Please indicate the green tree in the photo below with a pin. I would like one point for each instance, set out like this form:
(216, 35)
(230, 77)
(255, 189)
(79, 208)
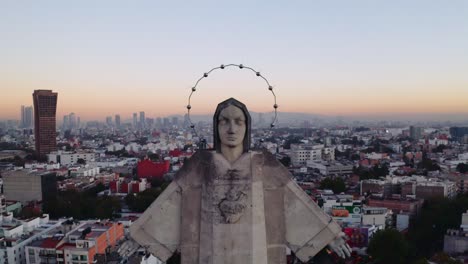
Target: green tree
(380, 170)
(82, 205)
(153, 157)
(286, 161)
(428, 165)
(426, 233)
(141, 201)
(107, 206)
(440, 148)
(462, 167)
(388, 247)
(374, 173)
(291, 140)
(443, 258)
(337, 185)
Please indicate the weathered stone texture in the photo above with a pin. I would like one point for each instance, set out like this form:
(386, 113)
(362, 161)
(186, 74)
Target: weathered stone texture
(247, 212)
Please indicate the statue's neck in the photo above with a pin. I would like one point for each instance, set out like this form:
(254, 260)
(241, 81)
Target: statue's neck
(231, 154)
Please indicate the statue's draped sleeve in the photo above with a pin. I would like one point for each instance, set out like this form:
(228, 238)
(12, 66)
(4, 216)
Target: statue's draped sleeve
(159, 228)
(308, 229)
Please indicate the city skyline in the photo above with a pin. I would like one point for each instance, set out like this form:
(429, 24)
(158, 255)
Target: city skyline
(351, 59)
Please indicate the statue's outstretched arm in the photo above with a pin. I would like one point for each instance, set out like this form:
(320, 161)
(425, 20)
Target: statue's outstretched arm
(158, 229)
(308, 228)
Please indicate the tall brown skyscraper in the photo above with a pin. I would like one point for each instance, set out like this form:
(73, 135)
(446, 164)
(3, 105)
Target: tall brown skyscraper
(45, 106)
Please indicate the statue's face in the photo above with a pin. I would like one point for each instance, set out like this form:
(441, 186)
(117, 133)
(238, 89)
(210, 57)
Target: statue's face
(231, 126)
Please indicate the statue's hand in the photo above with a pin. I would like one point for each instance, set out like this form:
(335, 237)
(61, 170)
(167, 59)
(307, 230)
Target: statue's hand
(128, 248)
(340, 247)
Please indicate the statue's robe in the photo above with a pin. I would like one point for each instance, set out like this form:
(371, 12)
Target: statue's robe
(246, 212)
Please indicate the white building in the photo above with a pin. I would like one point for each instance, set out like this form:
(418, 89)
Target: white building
(115, 147)
(374, 216)
(110, 163)
(66, 158)
(376, 156)
(85, 172)
(25, 185)
(43, 166)
(331, 167)
(437, 142)
(402, 221)
(396, 147)
(395, 165)
(456, 240)
(16, 235)
(340, 132)
(463, 156)
(150, 260)
(301, 153)
(133, 147)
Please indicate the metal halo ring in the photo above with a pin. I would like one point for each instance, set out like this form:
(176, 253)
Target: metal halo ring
(223, 66)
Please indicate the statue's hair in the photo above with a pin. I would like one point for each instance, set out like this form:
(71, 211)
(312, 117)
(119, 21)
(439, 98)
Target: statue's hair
(222, 106)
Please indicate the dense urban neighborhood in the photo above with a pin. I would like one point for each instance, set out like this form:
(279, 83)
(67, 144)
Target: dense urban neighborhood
(398, 190)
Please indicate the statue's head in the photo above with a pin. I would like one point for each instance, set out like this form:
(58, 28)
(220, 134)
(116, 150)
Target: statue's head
(231, 125)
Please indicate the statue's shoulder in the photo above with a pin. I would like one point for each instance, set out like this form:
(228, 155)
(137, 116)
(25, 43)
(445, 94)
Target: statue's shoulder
(200, 157)
(274, 173)
(266, 158)
(194, 167)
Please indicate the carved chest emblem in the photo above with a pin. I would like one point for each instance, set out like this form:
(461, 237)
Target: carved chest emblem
(233, 205)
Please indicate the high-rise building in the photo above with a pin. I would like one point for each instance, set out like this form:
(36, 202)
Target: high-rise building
(26, 116)
(166, 123)
(117, 121)
(135, 120)
(175, 121)
(459, 133)
(186, 121)
(149, 122)
(22, 116)
(159, 122)
(109, 120)
(72, 119)
(261, 119)
(45, 107)
(78, 122)
(415, 132)
(66, 122)
(142, 119)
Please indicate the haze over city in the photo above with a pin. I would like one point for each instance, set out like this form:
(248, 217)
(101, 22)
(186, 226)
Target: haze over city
(369, 58)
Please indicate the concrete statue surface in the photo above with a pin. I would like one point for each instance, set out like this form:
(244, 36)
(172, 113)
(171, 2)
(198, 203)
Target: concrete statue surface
(234, 205)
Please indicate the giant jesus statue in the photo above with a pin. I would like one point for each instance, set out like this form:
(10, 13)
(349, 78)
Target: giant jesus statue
(234, 205)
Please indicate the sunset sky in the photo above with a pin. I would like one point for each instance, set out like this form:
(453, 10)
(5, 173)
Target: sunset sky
(325, 57)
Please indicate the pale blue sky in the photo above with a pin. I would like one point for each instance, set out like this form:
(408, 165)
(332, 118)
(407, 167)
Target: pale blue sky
(329, 57)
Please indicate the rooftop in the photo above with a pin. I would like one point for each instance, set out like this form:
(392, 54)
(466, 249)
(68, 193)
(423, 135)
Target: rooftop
(50, 242)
